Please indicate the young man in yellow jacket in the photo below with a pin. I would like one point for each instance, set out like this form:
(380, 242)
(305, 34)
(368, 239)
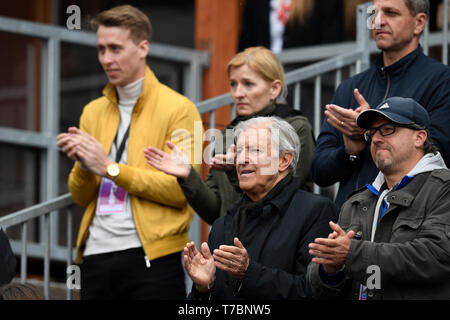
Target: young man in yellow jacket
(136, 221)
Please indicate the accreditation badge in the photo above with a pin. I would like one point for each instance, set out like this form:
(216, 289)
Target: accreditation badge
(362, 292)
(112, 199)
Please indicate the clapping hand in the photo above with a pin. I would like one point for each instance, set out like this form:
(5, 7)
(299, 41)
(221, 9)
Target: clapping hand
(176, 164)
(344, 120)
(82, 147)
(332, 252)
(199, 265)
(233, 260)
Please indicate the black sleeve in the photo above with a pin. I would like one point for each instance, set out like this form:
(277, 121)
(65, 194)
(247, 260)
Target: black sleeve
(202, 196)
(7, 260)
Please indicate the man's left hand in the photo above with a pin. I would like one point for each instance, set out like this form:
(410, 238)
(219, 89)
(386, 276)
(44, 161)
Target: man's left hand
(344, 119)
(233, 260)
(332, 252)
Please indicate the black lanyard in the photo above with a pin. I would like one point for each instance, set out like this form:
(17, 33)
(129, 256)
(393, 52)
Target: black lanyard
(122, 144)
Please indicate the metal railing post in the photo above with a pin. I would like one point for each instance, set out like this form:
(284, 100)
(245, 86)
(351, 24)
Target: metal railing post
(317, 105)
(337, 78)
(363, 36)
(50, 123)
(445, 32)
(47, 237)
(23, 218)
(297, 96)
(192, 81)
(317, 113)
(23, 254)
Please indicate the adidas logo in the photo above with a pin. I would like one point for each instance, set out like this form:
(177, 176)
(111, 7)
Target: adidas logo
(384, 106)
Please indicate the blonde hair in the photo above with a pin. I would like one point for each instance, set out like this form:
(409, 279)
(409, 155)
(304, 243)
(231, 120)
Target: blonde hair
(262, 61)
(126, 16)
(300, 11)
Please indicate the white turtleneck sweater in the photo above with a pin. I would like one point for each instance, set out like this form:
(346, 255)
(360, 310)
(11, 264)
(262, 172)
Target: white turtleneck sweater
(117, 232)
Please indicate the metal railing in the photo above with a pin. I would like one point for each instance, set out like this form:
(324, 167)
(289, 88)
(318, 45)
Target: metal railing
(23, 217)
(356, 60)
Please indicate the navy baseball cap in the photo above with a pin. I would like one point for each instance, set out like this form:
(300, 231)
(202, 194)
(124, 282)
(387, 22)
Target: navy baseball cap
(398, 110)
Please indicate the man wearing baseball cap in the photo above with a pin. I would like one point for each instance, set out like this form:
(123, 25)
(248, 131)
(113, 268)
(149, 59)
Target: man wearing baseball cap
(400, 70)
(392, 240)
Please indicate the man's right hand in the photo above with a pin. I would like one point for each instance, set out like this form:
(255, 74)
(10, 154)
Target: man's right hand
(344, 120)
(332, 252)
(199, 265)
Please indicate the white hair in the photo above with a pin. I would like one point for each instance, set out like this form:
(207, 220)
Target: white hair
(287, 142)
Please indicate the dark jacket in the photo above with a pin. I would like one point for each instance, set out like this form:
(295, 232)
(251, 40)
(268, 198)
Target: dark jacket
(277, 245)
(415, 76)
(324, 25)
(7, 260)
(411, 246)
(212, 198)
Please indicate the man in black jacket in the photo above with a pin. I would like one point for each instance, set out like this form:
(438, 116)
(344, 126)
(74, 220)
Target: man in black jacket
(259, 250)
(402, 69)
(392, 240)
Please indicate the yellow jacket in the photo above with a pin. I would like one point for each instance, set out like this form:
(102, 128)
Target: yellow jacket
(160, 210)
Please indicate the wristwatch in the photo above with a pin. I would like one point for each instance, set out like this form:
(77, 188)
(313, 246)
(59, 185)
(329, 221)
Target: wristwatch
(112, 171)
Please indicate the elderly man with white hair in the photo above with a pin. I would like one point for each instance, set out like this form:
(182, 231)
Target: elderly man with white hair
(259, 250)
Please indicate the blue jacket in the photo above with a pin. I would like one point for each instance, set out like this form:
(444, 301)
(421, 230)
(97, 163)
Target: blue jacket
(415, 76)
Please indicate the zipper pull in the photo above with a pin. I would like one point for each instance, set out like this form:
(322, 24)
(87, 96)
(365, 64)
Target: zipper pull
(147, 262)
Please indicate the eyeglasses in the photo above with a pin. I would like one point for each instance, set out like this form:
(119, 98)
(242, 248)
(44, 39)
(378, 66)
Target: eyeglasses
(387, 129)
